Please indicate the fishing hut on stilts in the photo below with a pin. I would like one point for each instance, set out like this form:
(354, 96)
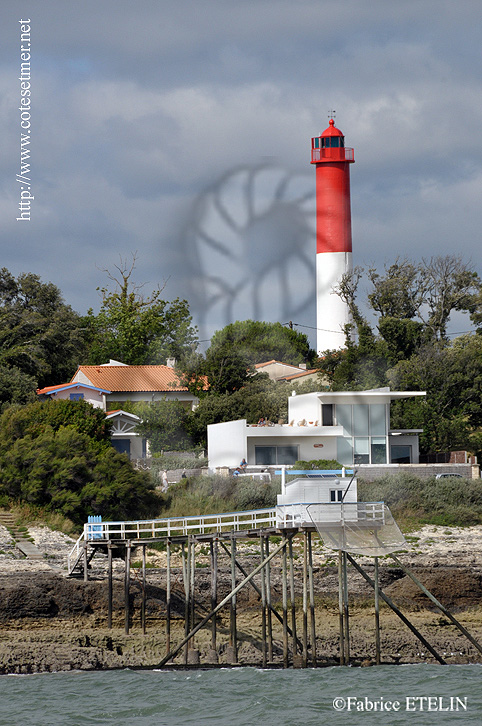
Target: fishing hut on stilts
(314, 502)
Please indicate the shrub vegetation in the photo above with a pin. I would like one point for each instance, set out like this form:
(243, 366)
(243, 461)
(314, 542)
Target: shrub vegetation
(448, 502)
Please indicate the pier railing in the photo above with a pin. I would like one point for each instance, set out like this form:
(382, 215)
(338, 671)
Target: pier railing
(102, 532)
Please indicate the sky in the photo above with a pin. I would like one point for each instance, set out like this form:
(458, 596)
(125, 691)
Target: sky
(179, 131)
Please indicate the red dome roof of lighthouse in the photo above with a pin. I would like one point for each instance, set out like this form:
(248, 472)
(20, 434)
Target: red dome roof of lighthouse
(332, 130)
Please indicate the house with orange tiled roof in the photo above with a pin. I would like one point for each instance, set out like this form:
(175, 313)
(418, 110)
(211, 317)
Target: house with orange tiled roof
(135, 383)
(278, 371)
(111, 385)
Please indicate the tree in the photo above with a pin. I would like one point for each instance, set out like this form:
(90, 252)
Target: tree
(40, 335)
(18, 422)
(258, 342)
(137, 329)
(409, 348)
(227, 369)
(426, 293)
(57, 457)
(164, 425)
(16, 387)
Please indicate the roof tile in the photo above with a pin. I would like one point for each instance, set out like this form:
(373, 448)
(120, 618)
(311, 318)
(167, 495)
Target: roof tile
(132, 378)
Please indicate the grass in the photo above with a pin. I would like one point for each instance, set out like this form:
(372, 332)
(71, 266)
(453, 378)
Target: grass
(451, 502)
(413, 501)
(215, 494)
(27, 516)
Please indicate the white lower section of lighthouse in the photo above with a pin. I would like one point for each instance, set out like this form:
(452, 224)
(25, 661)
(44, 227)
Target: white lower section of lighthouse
(332, 313)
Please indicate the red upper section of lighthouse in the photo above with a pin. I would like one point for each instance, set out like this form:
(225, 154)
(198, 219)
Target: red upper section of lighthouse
(330, 146)
(332, 130)
(333, 213)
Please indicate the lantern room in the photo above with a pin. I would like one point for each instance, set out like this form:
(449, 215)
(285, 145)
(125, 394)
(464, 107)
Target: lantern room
(330, 146)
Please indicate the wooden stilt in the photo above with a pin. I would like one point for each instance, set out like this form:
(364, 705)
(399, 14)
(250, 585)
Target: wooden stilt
(127, 582)
(346, 611)
(267, 570)
(312, 601)
(168, 595)
(143, 605)
(263, 605)
(109, 586)
(86, 564)
(377, 615)
(402, 617)
(305, 600)
(271, 610)
(340, 608)
(441, 607)
(220, 605)
(191, 594)
(233, 635)
(285, 603)
(292, 598)
(214, 590)
(187, 591)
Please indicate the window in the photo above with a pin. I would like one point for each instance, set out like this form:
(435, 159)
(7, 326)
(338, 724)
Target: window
(379, 450)
(327, 414)
(122, 446)
(360, 419)
(344, 450)
(378, 419)
(343, 417)
(273, 455)
(401, 454)
(76, 396)
(361, 451)
(336, 495)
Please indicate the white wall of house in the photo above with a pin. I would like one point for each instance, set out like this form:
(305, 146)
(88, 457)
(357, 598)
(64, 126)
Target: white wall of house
(361, 434)
(306, 406)
(227, 443)
(96, 398)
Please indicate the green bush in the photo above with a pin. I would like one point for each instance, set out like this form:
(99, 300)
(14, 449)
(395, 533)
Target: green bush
(448, 502)
(178, 461)
(57, 457)
(214, 493)
(317, 464)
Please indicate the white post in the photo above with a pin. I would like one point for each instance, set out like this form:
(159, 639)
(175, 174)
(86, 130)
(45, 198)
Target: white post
(283, 479)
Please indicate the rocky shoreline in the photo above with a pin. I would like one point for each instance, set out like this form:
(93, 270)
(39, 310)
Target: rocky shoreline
(49, 622)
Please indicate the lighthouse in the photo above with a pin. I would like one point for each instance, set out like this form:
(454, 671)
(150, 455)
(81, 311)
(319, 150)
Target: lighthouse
(333, 233)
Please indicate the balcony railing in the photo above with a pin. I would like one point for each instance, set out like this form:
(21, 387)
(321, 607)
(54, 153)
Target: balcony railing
(336, 154)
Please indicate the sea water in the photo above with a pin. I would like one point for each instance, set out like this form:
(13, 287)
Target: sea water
(414, 695)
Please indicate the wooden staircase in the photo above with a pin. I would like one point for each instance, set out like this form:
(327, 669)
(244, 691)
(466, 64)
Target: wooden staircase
(20, 536)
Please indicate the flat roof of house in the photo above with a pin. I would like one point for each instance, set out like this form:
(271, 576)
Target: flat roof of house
(132, 378)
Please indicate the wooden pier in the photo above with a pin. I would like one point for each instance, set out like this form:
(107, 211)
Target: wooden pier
(274, 531)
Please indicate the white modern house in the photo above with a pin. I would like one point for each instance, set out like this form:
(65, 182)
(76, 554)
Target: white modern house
(352, 427)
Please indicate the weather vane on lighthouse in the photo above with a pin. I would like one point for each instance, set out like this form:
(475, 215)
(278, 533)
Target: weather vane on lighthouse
(332, 114)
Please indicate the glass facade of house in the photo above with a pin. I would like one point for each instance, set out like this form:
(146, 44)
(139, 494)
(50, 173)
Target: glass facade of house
(365, 433)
